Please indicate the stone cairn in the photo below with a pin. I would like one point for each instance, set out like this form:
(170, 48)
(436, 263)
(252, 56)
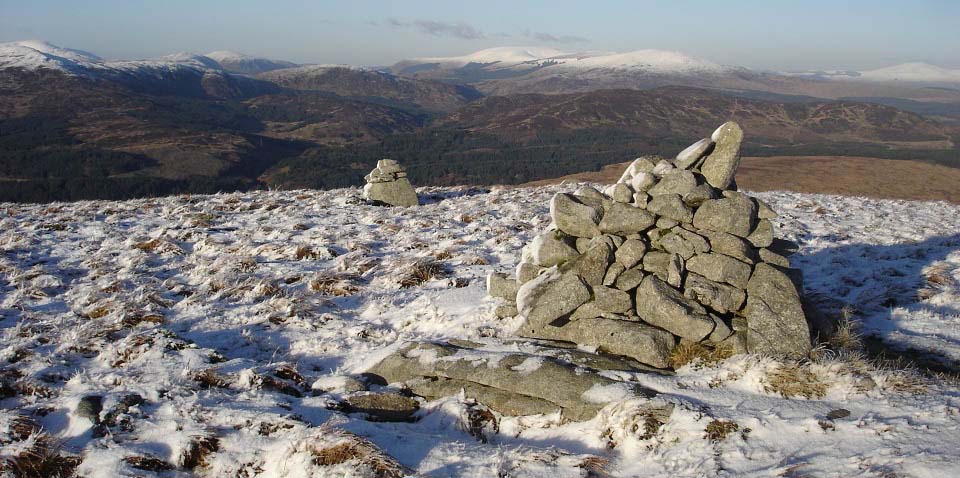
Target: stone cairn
(671, 253)
(388, 184)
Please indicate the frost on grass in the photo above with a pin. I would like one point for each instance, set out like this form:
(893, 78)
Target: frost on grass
(200, 323)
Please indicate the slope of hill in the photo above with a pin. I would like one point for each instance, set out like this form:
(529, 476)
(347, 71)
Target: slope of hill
(683, 112)
(374, 86)
(219, 335)
(246, 64)
(846, 176)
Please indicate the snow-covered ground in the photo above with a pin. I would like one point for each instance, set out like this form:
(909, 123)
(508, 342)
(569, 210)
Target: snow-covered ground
(219, 310)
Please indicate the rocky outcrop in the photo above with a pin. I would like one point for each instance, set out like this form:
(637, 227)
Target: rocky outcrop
(388, 184)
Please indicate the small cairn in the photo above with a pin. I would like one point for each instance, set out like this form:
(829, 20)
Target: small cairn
(388, 184)
(671, 252)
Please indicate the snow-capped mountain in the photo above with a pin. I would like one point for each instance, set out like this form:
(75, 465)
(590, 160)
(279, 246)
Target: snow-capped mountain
(503, 55)
(521, 58)
(913, 72)
(510, 70)
(249, 65)
(190, 58)
(649, 61)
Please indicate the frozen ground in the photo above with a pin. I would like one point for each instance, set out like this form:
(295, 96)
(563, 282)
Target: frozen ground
(219, 310)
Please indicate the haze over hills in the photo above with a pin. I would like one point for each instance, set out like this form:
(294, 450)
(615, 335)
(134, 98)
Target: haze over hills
(76, 125)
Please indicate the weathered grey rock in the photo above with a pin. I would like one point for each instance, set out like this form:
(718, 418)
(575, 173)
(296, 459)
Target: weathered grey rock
(631, 252)
(504, 402)
(89, 407)
(642, 164)
(533, 376)
(762, 235)
(657, 263)
(770, 257)
(641, 200)
(675, 270)
(775, 320)
(720, 167)
(582, 244)
(683, 242)
(663, 306)
(629, 279)
(784, 247)
(389, 166)
(732, 215)
(668, 267)
(574, 217)
(620, 192)
(671, 206)
(642, 182)
(645, 344)
(625, 219)
(613, 272)
(589, 192)
(690, 157)
(526, 272)
(764, 211)
(589, 310)
(737, 342)
(663, 167)
(593, 263)
(730, 245)
(502, 286)
(395, 193)
(720, 268)
(382, 406)
(677, 181)
(612, 300)
(666, 223)
(720, 330)
(549, 249)
(504, 311)
(722, 298)
(701, 193)
(551, 296)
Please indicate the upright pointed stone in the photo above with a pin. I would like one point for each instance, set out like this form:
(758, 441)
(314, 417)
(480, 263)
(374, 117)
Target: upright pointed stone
(720, 167)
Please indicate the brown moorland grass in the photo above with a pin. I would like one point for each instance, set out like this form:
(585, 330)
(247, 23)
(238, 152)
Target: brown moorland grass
(847, 176)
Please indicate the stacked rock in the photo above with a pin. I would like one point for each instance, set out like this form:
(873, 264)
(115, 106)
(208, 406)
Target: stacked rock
(671, 252)
(388, 184)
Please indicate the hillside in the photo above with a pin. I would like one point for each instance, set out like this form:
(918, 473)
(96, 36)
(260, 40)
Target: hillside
(846, 176)
(221, 336)
(374, 85)
(662, 111)
(77, 126)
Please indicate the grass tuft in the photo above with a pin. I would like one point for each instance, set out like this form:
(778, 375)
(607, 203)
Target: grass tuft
(419, 272)
(699, 353)
(717, 430)
(794, 379)
(349, 447)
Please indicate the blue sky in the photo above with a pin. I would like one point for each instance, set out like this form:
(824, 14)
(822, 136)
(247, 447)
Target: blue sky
(757, 34)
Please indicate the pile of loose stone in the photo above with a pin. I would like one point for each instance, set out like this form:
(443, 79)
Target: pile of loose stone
(388, 184)
(670, 253)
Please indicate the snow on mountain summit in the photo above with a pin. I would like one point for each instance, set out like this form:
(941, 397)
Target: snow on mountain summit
(247, 64)
(913, 72)
(504, 54)
(647, 60)
(655, 61)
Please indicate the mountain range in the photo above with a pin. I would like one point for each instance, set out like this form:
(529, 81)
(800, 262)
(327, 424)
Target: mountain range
(77, 126)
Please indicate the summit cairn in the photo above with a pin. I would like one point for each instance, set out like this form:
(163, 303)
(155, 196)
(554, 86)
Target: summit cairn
(671, 252)
(388, 184)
